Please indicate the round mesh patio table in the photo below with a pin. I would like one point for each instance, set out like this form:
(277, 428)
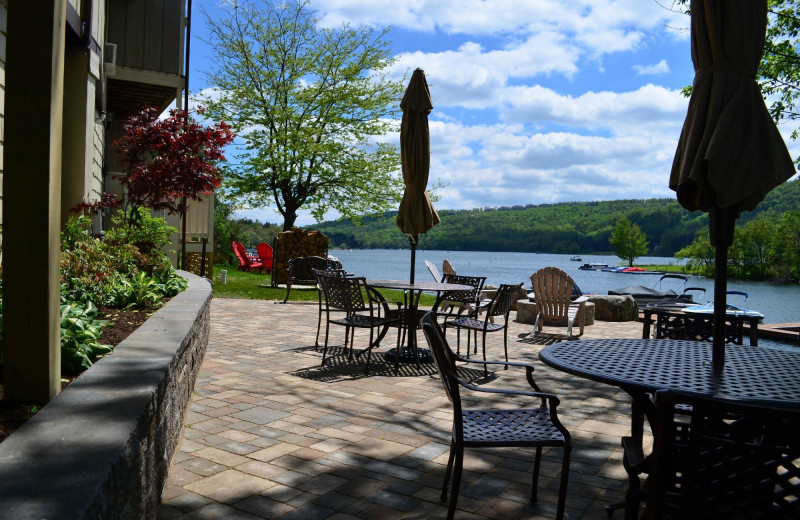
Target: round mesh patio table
(643, 366)
(413, 291)
(646, 365)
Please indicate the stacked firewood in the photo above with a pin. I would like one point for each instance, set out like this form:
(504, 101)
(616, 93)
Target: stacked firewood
(296, 243)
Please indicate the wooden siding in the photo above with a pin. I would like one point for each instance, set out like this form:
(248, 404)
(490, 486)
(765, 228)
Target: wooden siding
(3, 22)
(147, 34)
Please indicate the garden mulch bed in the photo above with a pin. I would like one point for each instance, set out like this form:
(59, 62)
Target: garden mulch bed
(13, 414)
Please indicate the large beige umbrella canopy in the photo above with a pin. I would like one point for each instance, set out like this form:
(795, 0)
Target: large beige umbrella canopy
(416, 214)
(730, 153)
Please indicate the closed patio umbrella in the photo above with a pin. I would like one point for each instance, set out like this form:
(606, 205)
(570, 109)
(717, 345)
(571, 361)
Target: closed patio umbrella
(730, 153)
(416, 214)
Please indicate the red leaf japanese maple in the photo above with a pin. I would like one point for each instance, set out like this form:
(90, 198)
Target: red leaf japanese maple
(169, 159)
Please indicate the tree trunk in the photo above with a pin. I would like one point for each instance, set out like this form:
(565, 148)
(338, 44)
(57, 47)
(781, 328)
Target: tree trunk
(289, 218)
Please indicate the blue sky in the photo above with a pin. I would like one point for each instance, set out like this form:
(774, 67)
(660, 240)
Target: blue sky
(535, 101)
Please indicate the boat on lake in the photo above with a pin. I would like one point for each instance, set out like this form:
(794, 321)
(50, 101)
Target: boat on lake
(730, 309)
(576, 259)
(645, 296)
(594, 266)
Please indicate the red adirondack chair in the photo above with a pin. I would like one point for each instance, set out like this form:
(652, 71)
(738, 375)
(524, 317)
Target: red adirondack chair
(265, 256)
(246, 262)
(242, 263)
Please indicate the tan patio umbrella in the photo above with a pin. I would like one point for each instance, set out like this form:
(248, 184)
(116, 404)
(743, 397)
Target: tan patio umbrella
(416, 214)
(730, 153)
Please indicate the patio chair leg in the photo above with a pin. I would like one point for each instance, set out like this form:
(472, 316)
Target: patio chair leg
(562, 490)
(369, 350)
(397, 354)
(457, 470)
(485, 369)
(325, 348)
(449, 470)
(416, 349)
(352, 340)
(505, 345)
(319, 321)
(537, 464)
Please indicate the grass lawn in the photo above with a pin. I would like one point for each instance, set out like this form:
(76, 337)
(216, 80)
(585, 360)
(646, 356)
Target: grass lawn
(671, 268)
(254, 286)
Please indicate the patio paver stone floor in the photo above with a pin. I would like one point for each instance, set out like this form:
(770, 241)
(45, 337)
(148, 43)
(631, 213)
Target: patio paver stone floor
(272, 434)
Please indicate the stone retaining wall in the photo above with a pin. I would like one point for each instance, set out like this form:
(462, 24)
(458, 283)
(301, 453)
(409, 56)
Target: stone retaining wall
(102, 448)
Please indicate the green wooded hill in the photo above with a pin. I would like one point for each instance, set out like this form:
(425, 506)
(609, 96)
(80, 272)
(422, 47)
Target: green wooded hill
(566, 228)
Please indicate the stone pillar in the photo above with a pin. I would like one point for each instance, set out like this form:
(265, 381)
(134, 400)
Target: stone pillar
(31, 199)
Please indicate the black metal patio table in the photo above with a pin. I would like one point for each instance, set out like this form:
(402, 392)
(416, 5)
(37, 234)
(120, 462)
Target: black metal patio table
(640, 367)
(410, 319)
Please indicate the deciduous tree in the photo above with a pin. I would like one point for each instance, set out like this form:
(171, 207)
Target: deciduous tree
(313, 105)
(699, 255)
(628, 241)
(786, 248)
(752, 244)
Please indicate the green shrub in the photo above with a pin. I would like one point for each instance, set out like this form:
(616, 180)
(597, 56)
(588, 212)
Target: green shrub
(143, 291)
(80, 332)
(147, 233)
(91, 268)
(127, 269)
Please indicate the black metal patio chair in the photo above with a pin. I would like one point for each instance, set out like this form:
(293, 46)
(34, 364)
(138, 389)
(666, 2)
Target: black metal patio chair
(727, 459)
(301, 271)
(363, 308)
(535, 427)
(500, 305)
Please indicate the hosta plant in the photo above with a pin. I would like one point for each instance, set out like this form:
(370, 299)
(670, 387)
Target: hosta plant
(80, 334)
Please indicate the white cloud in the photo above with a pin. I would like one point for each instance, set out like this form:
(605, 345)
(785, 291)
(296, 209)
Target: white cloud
(526, 109)
(649, 110)
(650, 70)
(490, 16)
(504, 165)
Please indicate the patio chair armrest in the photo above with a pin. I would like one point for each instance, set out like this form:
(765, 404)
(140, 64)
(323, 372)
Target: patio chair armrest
(549, 401)
(376, 297)
(503, 363)
(528, 368)
(634, 452)
(552, 399)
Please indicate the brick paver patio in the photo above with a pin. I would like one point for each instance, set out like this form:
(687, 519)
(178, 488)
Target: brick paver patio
(272, 434)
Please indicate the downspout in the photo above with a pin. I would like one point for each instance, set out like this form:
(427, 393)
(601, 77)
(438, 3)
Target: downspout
(186, 108)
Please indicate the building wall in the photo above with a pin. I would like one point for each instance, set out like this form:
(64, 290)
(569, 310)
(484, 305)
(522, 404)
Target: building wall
(147, 34)
(96, 143)
(3, 22)
(83, 141)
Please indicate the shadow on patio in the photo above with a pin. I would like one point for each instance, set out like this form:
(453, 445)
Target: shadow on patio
(271, 433)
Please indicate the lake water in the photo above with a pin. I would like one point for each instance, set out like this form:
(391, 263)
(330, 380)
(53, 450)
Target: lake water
(778, 303)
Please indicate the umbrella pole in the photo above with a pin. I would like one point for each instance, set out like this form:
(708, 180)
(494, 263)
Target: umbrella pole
(413, 243)
(720, 303)
(721, 223)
